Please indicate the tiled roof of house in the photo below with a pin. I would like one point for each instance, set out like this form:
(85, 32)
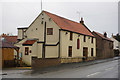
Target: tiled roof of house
(29, 42)
(102, 36)
(69, 25)
(10, 39)
(6, 45)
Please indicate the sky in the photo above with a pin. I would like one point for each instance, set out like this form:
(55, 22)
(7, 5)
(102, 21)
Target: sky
(100, 15)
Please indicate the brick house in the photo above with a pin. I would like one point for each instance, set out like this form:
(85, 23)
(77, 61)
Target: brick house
(52, 40)
(104, 46)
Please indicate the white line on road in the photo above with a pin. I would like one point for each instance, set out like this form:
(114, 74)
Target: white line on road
(93, 74)
(109, 68)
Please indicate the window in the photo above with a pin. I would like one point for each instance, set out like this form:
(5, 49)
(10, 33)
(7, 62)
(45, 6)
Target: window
(92, 40)
(49, 31)
(71, 35)
(26, 50)
(91, 51)
(84, 38)
(70, 51)
(78, 42)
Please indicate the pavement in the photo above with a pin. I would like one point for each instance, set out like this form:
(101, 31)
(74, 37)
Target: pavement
(105, 68)
(18, 68)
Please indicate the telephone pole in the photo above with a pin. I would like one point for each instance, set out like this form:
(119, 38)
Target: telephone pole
(41, 5)
(79, 14)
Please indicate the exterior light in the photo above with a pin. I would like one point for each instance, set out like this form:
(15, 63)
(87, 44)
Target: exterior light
(66, 33)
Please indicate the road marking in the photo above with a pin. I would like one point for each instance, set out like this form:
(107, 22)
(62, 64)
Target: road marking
(109, 68)
(93, 74)
(114, 60)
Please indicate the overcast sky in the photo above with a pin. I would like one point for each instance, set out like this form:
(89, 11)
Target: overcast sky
(98, 16)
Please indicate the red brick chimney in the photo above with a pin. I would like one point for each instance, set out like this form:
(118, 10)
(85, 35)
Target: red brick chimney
(82, 22)
(105, 34)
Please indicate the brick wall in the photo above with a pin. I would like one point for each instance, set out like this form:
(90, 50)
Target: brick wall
(103, 48)
(70, 60)
(38, 63)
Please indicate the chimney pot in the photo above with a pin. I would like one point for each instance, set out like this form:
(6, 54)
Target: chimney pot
(105, 34)
(82, 22)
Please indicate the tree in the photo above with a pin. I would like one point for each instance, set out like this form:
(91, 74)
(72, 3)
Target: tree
(117, 37)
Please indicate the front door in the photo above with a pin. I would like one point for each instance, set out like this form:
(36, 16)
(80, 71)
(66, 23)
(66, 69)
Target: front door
(85, 52)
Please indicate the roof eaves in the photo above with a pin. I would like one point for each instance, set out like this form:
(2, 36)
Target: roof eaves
(77, 33)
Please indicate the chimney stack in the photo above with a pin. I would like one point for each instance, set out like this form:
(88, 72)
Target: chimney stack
(3, 35)
(105, 34)
(82, 22)
(112, 35)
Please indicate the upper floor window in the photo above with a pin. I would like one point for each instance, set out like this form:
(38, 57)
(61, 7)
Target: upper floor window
(49, 31)
(92, 40)
(84, 38)
(78, 42)
(71, 35)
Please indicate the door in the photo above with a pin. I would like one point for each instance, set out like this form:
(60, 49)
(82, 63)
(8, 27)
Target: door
(85, 52)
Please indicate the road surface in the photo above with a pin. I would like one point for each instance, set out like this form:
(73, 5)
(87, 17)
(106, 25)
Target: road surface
(107, 69)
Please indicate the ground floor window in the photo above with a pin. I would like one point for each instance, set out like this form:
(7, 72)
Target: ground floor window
(91, 51)
(70, 51)
(26, 50)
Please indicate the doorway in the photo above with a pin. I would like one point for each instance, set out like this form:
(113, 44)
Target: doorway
(85, 52)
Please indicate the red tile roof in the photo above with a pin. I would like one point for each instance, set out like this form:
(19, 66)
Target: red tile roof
(6, 45)
(102, 36)
(69, 25)
(11, 39)
(30, 42)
